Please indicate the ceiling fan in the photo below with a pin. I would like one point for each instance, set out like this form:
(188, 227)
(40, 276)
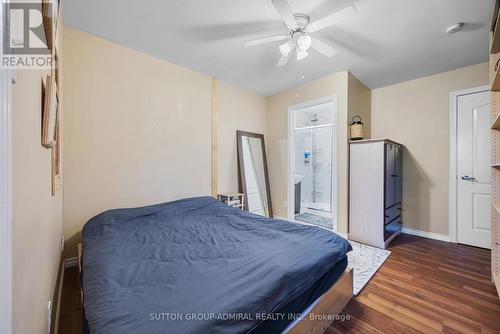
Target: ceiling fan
(299, 30)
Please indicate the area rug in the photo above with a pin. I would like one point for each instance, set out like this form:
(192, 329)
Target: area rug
(365, 261)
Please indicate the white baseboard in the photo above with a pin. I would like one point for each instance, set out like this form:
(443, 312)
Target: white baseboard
(428, 235)
(71, 262)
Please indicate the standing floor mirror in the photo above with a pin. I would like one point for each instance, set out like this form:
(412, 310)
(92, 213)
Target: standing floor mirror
(254, 179)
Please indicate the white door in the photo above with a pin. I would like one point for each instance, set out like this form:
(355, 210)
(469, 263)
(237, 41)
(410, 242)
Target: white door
(474, 170)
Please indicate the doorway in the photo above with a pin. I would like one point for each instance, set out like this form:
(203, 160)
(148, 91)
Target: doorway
(311, 163)
(471, 168)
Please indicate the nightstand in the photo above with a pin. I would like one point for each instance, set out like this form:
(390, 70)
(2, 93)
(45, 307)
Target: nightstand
(235, 200)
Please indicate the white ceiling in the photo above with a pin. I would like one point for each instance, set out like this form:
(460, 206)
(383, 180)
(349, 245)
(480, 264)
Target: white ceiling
(389, 41)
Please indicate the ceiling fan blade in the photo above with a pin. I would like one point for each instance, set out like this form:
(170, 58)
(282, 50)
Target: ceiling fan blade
(265, 40)
(323, 48)
(283, 61)
(331, 19)
(286, 13)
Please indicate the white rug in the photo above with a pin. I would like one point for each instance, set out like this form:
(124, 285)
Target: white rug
(365, 261)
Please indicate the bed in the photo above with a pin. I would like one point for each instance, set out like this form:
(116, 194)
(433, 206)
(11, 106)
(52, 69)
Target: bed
(198, 266)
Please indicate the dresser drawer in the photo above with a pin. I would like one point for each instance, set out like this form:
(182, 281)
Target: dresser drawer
(392, 212)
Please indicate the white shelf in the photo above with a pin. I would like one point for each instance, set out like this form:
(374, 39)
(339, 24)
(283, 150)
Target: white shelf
(496, 123)
(495, 146)
(496, 280)
(495, 27)
(497, 208)
(495, 86)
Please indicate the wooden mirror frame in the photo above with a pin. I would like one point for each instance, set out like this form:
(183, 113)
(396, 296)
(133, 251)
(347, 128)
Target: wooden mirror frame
(241, 168)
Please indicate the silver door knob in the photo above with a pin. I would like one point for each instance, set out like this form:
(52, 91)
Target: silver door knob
(468, 178)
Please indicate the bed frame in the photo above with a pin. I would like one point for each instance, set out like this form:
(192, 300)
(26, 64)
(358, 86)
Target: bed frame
(318, 316)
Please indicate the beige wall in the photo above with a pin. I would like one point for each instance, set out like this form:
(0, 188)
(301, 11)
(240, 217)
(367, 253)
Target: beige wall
(416, 114)
(37, 216)
(237, 110)
(37, 222)
(139, 130)
(359, 103)
(277, 139)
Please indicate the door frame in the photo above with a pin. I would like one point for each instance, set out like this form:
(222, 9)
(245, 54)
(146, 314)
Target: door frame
(453, 184)
(290, 191)
(7, 78)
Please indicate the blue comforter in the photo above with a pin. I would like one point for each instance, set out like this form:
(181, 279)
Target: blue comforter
(196, 266)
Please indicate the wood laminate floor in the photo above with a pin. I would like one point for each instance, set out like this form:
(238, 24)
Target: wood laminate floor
(425, 286)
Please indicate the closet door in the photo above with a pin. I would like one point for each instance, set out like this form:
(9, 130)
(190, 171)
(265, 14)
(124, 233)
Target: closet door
(389, 172)
(398, 173)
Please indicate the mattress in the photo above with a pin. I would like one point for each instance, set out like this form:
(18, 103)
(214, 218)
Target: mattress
(280, 320)
(199, 266)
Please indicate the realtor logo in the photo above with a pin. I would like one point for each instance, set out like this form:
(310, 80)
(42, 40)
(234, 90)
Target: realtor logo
(24, 40)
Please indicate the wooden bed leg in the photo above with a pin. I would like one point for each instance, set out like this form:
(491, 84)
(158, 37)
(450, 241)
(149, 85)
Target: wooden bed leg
(329, 304)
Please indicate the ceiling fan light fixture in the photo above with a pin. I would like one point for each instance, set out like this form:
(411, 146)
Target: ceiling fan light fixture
(299, 27)
(302, 54)
(286, 49)
(304, 42)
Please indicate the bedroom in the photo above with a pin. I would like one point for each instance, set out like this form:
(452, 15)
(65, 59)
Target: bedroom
(170, 109)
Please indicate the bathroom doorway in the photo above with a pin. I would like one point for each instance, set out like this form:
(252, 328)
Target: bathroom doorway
(312, 163)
